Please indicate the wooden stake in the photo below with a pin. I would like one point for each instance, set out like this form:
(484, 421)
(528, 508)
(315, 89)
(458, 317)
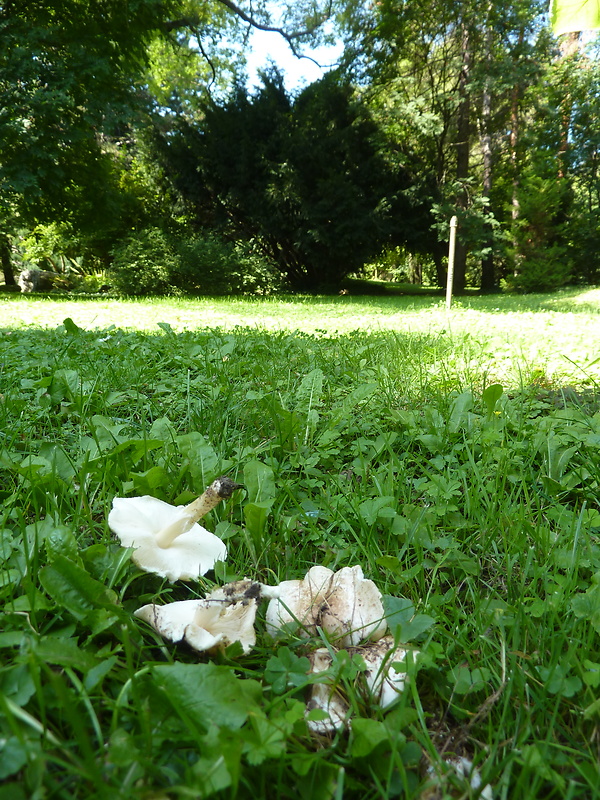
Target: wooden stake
(451, 249)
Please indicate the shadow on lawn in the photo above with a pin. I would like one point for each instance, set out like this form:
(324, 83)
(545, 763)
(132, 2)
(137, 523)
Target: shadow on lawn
(572, 299)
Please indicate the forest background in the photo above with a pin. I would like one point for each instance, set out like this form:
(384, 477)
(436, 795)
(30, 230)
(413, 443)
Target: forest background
(135, 155)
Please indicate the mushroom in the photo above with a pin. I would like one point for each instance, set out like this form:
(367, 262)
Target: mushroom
(354, 609)
(167, 539)
(464, 768)
(344, 604)
(325, 697)
(206, 625)
(383, 682)
(245, 589)
(299, 602)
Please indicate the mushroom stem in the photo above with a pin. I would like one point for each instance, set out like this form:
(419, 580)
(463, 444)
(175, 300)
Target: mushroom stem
(221, 489)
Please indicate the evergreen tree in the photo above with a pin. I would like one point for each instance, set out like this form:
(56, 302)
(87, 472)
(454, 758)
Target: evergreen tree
(311, 181)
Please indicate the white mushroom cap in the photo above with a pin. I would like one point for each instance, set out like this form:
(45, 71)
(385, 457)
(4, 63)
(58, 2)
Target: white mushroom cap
(354, 609)
(299, 602)
(345, 604)
(204, 624)
(464, 769)
(170, 620)
(138, 520)
(384, 683)
(325, 697)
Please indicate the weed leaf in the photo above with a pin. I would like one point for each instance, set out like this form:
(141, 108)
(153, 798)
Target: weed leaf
(209, 693)
(72, 588)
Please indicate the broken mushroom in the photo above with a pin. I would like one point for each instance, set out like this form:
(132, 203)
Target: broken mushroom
(206, 625)
(344, 604)
(167, 539)
(324, 697)
(465, 769)
(383, 681)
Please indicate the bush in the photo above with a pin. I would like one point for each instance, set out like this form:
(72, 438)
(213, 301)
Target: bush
(546, 272)
(584, 232)
(145, 263)
(212, 266)
(154, 262)
(90, 284)
(540, 256)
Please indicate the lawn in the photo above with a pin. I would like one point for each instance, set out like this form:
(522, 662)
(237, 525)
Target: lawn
(454, 457)
(509, 336)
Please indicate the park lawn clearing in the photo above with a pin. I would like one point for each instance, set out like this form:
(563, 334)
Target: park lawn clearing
(456, 459)
(506, 336)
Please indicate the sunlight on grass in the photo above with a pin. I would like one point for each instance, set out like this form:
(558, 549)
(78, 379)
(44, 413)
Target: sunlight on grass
(504, 336)
(440, 454)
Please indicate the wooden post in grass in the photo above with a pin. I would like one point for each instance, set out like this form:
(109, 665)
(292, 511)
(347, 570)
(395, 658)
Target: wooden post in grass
(451, 249)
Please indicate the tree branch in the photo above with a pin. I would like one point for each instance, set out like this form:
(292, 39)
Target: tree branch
(182, 22)
(290, 36)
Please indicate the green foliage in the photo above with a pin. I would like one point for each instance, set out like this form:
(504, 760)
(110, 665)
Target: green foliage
(146, 263)
(212, 266)
(583, 246)
(545, 272)
(153, 262)
(64, 76)
(307, 180)
(286, 669)
(472, 505)
(60, 248)
(540, 255)
(501, 128)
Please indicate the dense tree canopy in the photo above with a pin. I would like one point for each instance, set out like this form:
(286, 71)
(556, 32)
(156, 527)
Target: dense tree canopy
(73, 76)
(488, 102)
(65, 81)
(311, 181)
(440, 108)
(66, 74)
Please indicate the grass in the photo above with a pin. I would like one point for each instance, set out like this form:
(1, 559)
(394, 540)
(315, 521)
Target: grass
(456, 459)
(506, 335)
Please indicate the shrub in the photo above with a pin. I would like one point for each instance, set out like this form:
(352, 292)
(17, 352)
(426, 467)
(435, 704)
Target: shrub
(210, 265)
(155, 262)
(584, 249)
(545, 272)
(539, 255)
(145, 263)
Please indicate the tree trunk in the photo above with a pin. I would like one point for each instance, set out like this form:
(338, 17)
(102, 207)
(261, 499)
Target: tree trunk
(416, 269)
(463, 152)
(514, 158)
(441, 273)
(488, 283)
(7, 268)
(569, 46)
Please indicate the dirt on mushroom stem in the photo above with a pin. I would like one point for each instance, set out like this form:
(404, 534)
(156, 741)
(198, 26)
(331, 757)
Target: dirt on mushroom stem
(220, 489)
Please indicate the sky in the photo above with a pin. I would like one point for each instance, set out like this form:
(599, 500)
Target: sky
(298, 72)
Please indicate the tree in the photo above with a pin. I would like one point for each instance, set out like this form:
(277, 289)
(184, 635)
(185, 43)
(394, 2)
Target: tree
(470, 86)
(417, 62)
(568, 132)
(72, 76)
(311, 181)
(65, 73)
